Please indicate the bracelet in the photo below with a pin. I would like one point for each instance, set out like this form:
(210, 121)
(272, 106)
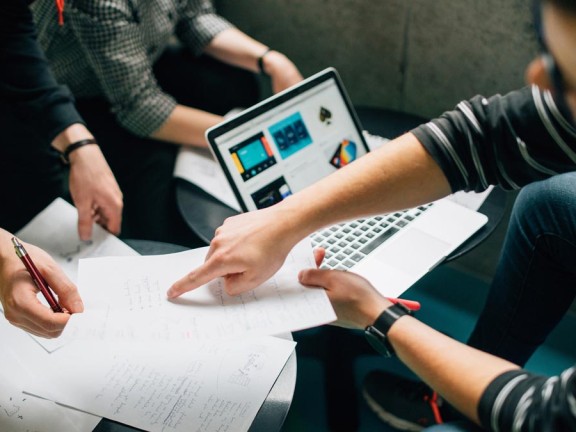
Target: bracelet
(75, 146)
(261, 62)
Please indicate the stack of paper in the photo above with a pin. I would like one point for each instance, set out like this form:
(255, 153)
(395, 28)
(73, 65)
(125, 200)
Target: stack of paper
(202, 362)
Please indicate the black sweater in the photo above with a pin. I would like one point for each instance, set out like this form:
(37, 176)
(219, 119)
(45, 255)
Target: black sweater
(27, 86)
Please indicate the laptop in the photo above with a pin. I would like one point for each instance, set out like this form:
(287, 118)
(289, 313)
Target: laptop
(293, 139)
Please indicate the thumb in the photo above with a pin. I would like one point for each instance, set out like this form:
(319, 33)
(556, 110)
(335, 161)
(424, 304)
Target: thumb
(313, 277)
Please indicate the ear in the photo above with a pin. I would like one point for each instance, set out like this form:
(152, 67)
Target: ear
(536, 74)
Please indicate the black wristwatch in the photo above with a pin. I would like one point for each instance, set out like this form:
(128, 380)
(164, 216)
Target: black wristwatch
(376, 333)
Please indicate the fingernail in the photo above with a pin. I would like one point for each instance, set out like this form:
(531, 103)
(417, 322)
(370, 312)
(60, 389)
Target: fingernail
(78, 306)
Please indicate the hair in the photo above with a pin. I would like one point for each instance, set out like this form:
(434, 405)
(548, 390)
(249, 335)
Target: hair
(568, 6)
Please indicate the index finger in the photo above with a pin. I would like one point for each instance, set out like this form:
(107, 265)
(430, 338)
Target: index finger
(208, 271)
(84, 220)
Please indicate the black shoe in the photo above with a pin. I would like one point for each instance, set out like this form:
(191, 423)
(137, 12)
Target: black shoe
(402, 403)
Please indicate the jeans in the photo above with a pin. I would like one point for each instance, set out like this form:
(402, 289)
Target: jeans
(534, 282)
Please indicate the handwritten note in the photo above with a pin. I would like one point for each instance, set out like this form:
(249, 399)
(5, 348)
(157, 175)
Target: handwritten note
(19, 412)
(55, 230)
(169, 387)
(125, 298)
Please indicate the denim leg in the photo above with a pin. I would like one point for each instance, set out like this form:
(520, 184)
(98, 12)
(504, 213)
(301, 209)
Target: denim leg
(534, 283)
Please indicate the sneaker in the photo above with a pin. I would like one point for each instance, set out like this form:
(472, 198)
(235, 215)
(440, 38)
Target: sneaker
(402, 403)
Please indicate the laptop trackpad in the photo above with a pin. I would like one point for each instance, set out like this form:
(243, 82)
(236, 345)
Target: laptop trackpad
(413, 252)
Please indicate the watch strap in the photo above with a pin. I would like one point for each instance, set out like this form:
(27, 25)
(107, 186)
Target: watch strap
(376, 334)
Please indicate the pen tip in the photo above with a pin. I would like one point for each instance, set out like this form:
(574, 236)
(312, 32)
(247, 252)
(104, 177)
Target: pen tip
(15, 241)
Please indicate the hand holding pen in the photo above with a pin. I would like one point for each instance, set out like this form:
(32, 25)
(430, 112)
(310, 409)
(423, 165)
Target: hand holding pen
(37, 278)
(19, 294)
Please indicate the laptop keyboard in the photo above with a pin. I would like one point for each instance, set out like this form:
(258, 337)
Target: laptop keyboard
(349, 243)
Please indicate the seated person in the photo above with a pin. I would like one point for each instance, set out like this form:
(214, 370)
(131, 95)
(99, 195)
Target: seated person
(140, 93)
(38, 120)
(526, 138)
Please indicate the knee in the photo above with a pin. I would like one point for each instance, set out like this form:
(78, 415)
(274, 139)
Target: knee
(549, 205)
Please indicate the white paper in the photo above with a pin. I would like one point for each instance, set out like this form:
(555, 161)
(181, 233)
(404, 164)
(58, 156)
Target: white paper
(20, 359)
(159, 387)
(199, 167)
(55, 230)
(471, 200)
(125, 298)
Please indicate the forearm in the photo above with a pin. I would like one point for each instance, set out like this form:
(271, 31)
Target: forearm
(186, 126)
(399, 175)
(458, 372)
(236, 48)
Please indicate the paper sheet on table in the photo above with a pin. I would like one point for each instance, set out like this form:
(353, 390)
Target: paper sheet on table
(20, 359)
(55, 230)
(170, 387)
(125, 298)
(199, 168)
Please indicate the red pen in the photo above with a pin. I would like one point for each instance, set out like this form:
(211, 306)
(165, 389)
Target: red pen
(410, 304)
(39, 281)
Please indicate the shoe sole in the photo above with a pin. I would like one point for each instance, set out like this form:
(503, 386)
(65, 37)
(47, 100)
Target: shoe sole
(388, 418)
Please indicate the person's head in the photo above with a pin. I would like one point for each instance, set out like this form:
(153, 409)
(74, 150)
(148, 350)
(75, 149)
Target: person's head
(555, 70)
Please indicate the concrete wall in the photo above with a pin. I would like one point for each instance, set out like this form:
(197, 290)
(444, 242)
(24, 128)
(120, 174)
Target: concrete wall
(417, 56)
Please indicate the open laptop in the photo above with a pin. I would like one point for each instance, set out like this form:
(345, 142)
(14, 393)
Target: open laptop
(295, 138)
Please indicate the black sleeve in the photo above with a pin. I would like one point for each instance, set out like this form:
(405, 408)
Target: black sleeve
(509, 140)
(525, 402)
(26, 83)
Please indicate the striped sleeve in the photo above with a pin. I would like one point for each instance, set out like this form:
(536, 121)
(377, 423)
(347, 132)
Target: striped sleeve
(524, 402)
(509, 140)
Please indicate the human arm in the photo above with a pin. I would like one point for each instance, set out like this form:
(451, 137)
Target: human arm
(249, 248)
(477, 144)
(489, 390)
(92, 185)
(18, 293)
(29, 86)
(236, 48)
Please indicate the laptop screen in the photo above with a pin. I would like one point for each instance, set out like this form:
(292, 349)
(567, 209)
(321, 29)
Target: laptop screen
(288, 141)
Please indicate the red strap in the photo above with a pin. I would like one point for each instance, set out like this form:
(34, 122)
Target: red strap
(433, 401)
(60, 7)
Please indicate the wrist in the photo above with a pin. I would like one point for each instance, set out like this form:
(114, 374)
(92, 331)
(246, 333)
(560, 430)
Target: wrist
(73, 150)
(70, 135)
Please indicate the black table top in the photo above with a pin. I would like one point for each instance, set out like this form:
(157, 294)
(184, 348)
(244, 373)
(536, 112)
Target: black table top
(273, 411)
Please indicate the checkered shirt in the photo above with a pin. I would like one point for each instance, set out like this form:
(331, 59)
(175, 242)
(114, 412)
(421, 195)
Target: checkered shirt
(107, 49)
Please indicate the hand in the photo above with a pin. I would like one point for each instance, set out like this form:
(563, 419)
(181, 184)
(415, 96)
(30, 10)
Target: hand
(246, 250)
(281, 70)
(19, 295)
(356, 302)
(94, 191)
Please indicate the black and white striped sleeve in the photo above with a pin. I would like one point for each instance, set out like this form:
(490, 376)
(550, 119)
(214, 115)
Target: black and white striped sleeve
(509, 140)
(523, 402)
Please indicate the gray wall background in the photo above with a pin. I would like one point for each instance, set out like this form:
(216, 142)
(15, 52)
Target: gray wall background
(416, 56)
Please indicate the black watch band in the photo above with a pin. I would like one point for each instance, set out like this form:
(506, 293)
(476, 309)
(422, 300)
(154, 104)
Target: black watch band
(376, 333)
